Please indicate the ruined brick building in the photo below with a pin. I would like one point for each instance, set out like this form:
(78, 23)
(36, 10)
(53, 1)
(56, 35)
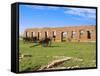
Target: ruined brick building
(59, 34)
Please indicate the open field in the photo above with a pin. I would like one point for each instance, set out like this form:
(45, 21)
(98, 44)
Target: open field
(43, 55)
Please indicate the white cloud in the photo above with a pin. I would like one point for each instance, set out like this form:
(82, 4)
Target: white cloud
(42, 7)
(83, 12)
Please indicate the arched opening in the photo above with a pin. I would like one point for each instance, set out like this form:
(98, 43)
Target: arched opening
(39, 35)
(45, 34)
(81, 33)
(32, 34)
(74, 34)
(91, 32)
(63, 36)
(54, 35)
(25, 34)
(88, 35)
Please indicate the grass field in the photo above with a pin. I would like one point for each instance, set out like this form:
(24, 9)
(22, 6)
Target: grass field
(44, 55)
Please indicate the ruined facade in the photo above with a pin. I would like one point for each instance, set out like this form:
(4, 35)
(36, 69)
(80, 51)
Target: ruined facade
(60, 34)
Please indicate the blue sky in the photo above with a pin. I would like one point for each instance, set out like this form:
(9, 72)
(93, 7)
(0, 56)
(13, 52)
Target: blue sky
(33, 16)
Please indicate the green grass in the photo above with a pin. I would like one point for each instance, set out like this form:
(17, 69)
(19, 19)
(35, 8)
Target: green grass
(44, 55)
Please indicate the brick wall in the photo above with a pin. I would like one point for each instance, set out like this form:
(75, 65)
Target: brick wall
(72, 34)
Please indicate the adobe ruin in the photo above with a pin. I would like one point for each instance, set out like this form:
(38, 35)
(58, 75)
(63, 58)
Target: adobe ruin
(60, 34)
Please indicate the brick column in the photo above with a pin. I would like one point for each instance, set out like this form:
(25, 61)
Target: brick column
(85, 36)
(43, 34)
(58, 36)
(94, 35)
(29, 34)
(66, 35)
(36, 33)
(78, 35)
(49, 33)
(69, 35)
